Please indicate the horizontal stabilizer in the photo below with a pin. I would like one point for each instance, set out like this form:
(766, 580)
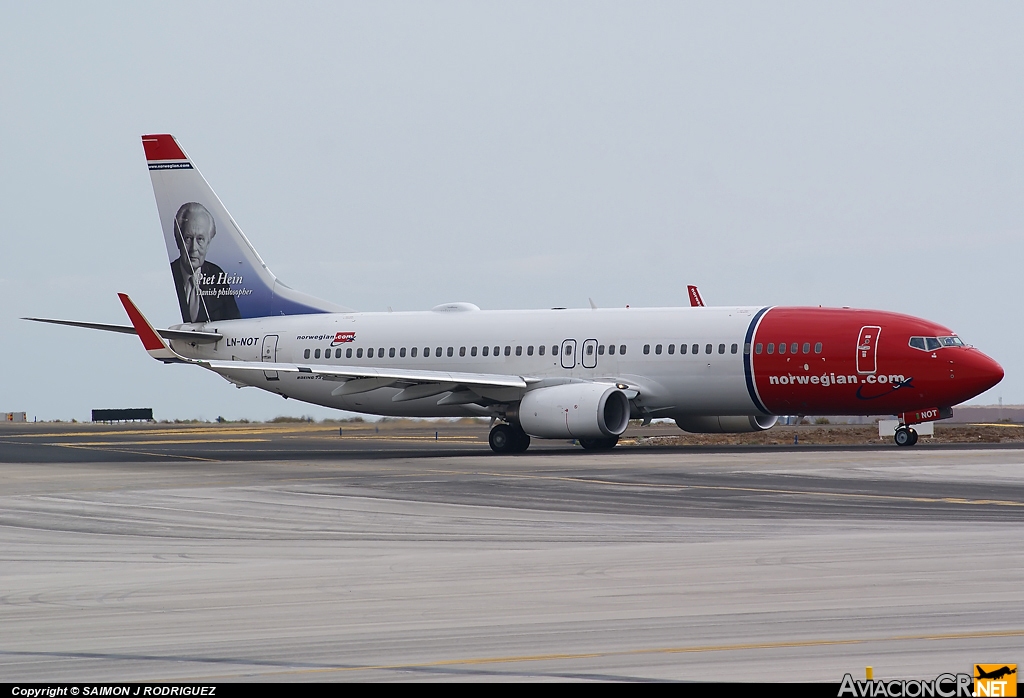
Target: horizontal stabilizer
(185, 335)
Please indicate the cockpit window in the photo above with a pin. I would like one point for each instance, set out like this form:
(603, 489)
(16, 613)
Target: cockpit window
(933, 343)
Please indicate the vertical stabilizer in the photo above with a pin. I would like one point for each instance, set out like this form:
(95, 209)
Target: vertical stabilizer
(217, 273)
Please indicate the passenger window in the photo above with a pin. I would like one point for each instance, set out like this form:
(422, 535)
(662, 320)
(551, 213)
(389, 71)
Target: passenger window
(540, 350)
(472, 352)
(817, 348)
(305, 354)
(391, 352)
(806, 348)
(529, 350)
(695, 349)
(451, 351)
(462, 351)
(793, 348)
(682, 348)
(359, 353)
(519, 351)
(337, 353)
(758, 347)
(771, 347)
(721, 348)
(316, 354)
(348, 353)
(647, 348)
(734, 348)
(412, 353)
(600, 350)
(426, 352)
(611, 350)
(508, 350)
(932, 343)
(657, 349)
(401, 353)
(782, 347)
(554, 350)
(622, 349)
(487, 351)
(707, 349)
(671, 348)
(590, 349)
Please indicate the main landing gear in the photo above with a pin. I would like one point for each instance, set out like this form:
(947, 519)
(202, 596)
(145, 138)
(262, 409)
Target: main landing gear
(508, 438)
(905, 436)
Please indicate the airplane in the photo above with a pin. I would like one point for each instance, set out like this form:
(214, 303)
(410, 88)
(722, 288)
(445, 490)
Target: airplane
(996, 674)
(560, 373)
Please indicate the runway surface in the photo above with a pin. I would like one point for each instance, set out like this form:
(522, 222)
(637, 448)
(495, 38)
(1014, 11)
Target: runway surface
(256, 552)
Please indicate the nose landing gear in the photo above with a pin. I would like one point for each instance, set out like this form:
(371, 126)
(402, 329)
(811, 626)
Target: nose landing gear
(508, 438)
(905, 436)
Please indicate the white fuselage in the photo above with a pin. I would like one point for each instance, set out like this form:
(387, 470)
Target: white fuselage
(669, 384)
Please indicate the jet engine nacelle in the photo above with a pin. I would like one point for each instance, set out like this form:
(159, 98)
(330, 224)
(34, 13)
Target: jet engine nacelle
(725, 425)
(575, 411)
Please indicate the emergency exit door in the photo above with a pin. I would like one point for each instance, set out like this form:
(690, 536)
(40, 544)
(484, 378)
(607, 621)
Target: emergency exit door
(569, 353)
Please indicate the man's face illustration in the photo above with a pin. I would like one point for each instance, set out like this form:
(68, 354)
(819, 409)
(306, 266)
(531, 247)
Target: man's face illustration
(195, 235)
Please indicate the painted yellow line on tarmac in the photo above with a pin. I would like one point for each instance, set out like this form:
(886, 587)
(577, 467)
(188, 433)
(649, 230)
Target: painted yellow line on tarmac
(758, 490)
(136, 453)
(387, 437)
(692, 649)
(158, 442)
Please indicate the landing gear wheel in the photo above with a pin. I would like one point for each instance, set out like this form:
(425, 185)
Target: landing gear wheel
(904, 436)
(599, 444)
(913, 436)
(506, 438)
(501, 438)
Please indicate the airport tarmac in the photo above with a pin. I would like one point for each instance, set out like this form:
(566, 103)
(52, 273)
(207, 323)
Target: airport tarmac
(289, 553)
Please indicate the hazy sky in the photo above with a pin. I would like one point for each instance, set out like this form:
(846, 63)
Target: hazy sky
(509, 154)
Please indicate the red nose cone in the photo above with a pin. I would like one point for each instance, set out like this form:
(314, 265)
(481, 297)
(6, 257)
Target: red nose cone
(977, 372)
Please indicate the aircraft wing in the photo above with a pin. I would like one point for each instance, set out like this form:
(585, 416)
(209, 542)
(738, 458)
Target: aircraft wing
(186, 335)
(356, 379)
(390, 376)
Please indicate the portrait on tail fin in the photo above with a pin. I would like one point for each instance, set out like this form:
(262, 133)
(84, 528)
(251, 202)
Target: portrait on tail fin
(204, 294)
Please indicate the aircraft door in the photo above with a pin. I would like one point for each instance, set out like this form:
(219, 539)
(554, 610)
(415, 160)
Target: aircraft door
(270, 355)
(867, 349)
(569, 353)
(589, 355)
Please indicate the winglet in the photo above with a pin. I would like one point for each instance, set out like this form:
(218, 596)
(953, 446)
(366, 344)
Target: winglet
(695, 300)
(154, 344)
